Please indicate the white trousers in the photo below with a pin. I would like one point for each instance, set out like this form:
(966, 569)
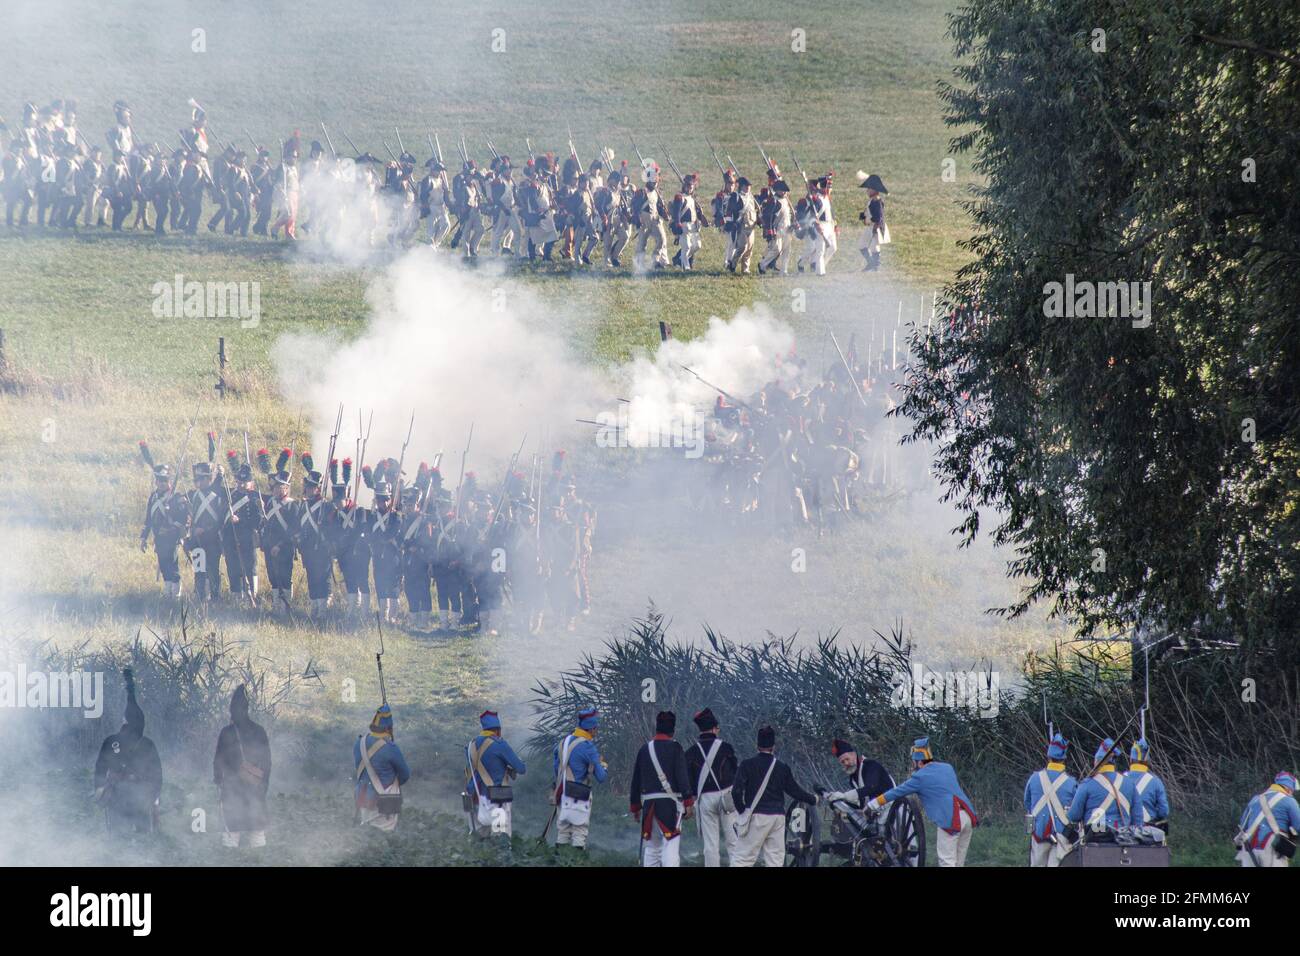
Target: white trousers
(661, 850)
(712, 816)
(765, 837)
(439, 223)
(574, 833)
(1267, 857)
(951, 847)
(1044, 854)
(690, 242)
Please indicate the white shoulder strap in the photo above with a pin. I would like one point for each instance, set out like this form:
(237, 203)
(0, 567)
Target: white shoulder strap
(1051, 795)
(659, 771)
(707, 769)
(762, 788)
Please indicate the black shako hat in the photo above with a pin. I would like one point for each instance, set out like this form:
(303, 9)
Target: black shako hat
(766, 737)
(666, 722)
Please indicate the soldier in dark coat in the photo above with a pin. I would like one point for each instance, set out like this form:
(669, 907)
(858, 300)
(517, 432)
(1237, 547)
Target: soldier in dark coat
(383, 533)
(241, 769)
(309, 519)
(661, 793)
(239, 536)
(209, 511)
(277, 540)
(128, 771)
(166, 518)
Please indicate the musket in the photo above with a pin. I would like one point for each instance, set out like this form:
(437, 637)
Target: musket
(397, 495)
(573, 150)
(671, 165)
(798, 167)
(852, 378)
(185, 446)
(329, 141)
(529, 143)
(379, 661)
(293, 446)
(338, 427)
(361, 457)
(390, 150)
(734, 167)
(722, 169)
(461, 480)
(492, 149)
(727, 395)
(256, 148)
(640, 158)
(350, 143)
(766, 159)
(505, 483)
(400, 145)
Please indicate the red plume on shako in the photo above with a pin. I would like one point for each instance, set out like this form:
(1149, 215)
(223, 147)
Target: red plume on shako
(146, 454)
(264, 461)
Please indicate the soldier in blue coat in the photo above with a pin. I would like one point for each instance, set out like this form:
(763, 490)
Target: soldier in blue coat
(490, 765)
(1104, 802)
(576, 763)
(943, 800)
(1048, 793)
(1151, 808)
(1269, 826)
(380, 771)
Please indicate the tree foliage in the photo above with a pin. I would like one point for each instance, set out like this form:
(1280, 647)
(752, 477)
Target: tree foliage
(1119, 459)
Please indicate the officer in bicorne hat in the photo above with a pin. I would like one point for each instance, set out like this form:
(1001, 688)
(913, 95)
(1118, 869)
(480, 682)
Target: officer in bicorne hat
(876, 233)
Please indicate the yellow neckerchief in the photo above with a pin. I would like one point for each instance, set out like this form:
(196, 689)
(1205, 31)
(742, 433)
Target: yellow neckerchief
(1053, 765)
(386, 734)
(489, 733)
(1139, 767)
(1280, 789)
(1105, 768)
(579, 732)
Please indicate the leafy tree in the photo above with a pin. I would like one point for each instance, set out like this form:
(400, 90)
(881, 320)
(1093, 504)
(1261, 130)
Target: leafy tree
(1143, 476)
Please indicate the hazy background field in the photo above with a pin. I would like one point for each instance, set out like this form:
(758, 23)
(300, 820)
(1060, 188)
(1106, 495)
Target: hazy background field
(99, 372)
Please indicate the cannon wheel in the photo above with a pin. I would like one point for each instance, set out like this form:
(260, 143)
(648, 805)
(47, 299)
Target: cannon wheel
(803, 835)
(905, 832)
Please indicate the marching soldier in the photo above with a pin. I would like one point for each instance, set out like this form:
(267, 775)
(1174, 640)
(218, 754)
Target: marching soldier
(241, 770)
(943, 800)
(380, 771)
(277, 536)
(90, 188)
(309, 519)
(687, 220)
(711, 764)
(19, 184)
(239, 535)
(166, 518)
(876, 233)
(467, 199)
(761, 786)
(121, 189)
(778, 219)
(823, 232)
(193, 177)
(209, 509)
(491, 764)
(741, 218)
(584, 220)
(536, 211)
(721, 200)
(121, 137)
(649, 213)
(1151, 806)
(1104, 802)
(239, 194)
(1047, 794)
(435, 195)
(661, 794)
(383, 535)
(1267, 832)
(416, 543)
(220, 176)
(576, 764)
(346, 531)
(286, 191)
(263, 191)
(614, 205)
(128, 771)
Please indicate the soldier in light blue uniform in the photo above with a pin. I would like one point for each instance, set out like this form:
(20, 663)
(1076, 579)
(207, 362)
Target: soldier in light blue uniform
(1048, 793)
(1105, 801)
(380, 772)
(490, 765)
(576, 764)
(1270, 824)
(943, 800)
(1151, 811)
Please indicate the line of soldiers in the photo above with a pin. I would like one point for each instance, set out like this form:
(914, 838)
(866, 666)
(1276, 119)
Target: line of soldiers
(555, 209)
(128, 774)
(800, 454)
(528, 543)
(1132, 808)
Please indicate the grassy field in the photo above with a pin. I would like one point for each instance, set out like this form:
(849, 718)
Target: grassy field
(91, 371)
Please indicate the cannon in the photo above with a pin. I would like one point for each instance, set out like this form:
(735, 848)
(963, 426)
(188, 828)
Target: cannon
(895, 836)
